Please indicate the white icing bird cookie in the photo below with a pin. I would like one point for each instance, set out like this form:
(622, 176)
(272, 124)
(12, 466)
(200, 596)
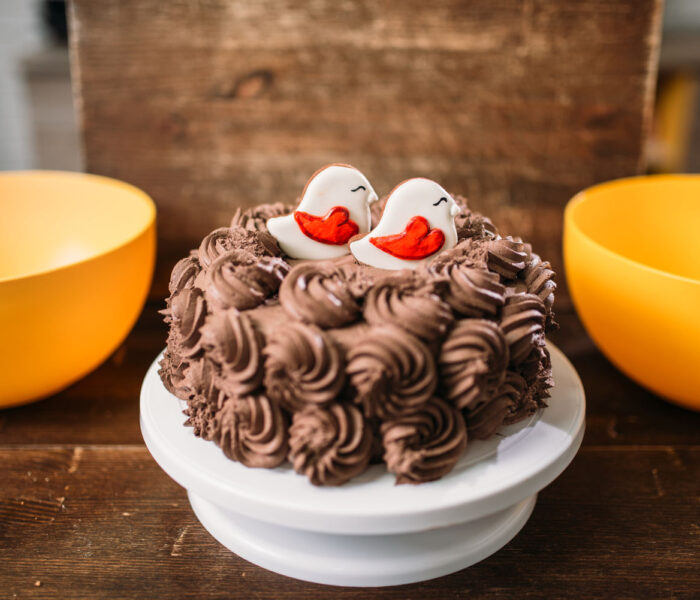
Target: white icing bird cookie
(418, 222)
(334, 207)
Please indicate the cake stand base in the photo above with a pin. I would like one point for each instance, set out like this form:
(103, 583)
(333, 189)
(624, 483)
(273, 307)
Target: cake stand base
(362, 560)
(370, 531)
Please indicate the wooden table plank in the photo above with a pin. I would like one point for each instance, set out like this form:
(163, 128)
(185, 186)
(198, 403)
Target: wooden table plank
(106, 522)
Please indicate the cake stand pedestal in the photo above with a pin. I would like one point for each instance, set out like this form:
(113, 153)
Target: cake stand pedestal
(370, 532)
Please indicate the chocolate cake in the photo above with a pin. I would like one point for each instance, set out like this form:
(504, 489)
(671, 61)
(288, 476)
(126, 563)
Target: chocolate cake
(334, 365)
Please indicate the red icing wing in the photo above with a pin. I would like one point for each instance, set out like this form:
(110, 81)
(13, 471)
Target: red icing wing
(413, 243)
(335, 228)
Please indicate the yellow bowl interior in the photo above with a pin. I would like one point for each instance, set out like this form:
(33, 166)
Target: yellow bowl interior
(652, 221)
(54, 219)
(632, 257)
(76, 260)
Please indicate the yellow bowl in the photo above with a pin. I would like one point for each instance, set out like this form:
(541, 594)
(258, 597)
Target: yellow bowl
(76, 262)
(632, 257)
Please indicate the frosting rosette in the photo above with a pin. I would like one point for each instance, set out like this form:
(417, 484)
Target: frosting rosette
(239, 279)
(473, 292)
(523, 402)
(184, 274)
(224, 239)
(205, 398)
(172, 373)
(473, 362)
(252, 430)
(231, 340)
(303, 366)
(391, 371)
(522, 321)
(539, 279)
(255, 219)
(330, 444)
(318, 294)
(506, 256)
(187, 312)
(488, 418)
(410, 302)
(424, 445)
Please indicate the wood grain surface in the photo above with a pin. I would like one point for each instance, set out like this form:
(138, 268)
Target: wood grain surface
(213, 104)
(85, 512)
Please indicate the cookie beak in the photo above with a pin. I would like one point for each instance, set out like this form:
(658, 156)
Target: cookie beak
(455, 210)
(372, 198)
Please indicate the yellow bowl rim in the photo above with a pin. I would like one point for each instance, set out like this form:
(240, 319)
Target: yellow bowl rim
(102, 179)
(570, 222)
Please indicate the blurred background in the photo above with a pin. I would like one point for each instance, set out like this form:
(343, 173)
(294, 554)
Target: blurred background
(39, 129)
(209, 106)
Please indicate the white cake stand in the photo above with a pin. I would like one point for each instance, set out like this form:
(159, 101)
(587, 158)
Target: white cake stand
(370, 532)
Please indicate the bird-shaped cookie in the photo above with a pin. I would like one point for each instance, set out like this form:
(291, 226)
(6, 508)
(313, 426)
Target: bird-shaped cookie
(418, 222)
(334, 207)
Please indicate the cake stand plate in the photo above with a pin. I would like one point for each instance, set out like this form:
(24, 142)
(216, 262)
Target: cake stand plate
(370, 532)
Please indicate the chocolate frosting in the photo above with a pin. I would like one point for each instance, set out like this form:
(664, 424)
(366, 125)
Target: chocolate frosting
(473, 292)
(303, 366)
(523, 403)
(488, 418)
(350, 351)
(172, 373)
(506, 256)
(523, 323)
(391, 371)
(317, 293)
(473, 362)
(539, 279)
(184, 274)
(255, 219)
(409, 301)
(224, 239)
(330, 444)
(188, 310)
(252, 430)
(205, 399)
(239, 280)
(424, 445)
(230, 339)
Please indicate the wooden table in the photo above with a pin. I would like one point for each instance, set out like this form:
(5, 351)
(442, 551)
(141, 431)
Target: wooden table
(85, 512)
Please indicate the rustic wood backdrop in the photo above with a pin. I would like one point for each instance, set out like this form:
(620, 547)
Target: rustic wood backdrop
(213, 104)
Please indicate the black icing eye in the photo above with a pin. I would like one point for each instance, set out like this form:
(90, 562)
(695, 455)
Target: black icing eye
(443, 199)
(359, 187)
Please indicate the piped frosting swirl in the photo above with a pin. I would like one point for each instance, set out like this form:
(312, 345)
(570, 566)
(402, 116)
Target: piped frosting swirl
(317, 293)
(240, 280)
(255, 219)
(473, 292)
(184, 274)
(303, 365)
(330, 444)
(424, 445)
(188, 310)
(506, 256)
(487, 419)
(231, 340)
(523, 324)
(408, 301)
(391, 371)
(473, 362)
(252, 430)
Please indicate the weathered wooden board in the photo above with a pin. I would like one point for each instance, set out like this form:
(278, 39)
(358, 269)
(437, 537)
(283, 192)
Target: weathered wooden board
(213, 104)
